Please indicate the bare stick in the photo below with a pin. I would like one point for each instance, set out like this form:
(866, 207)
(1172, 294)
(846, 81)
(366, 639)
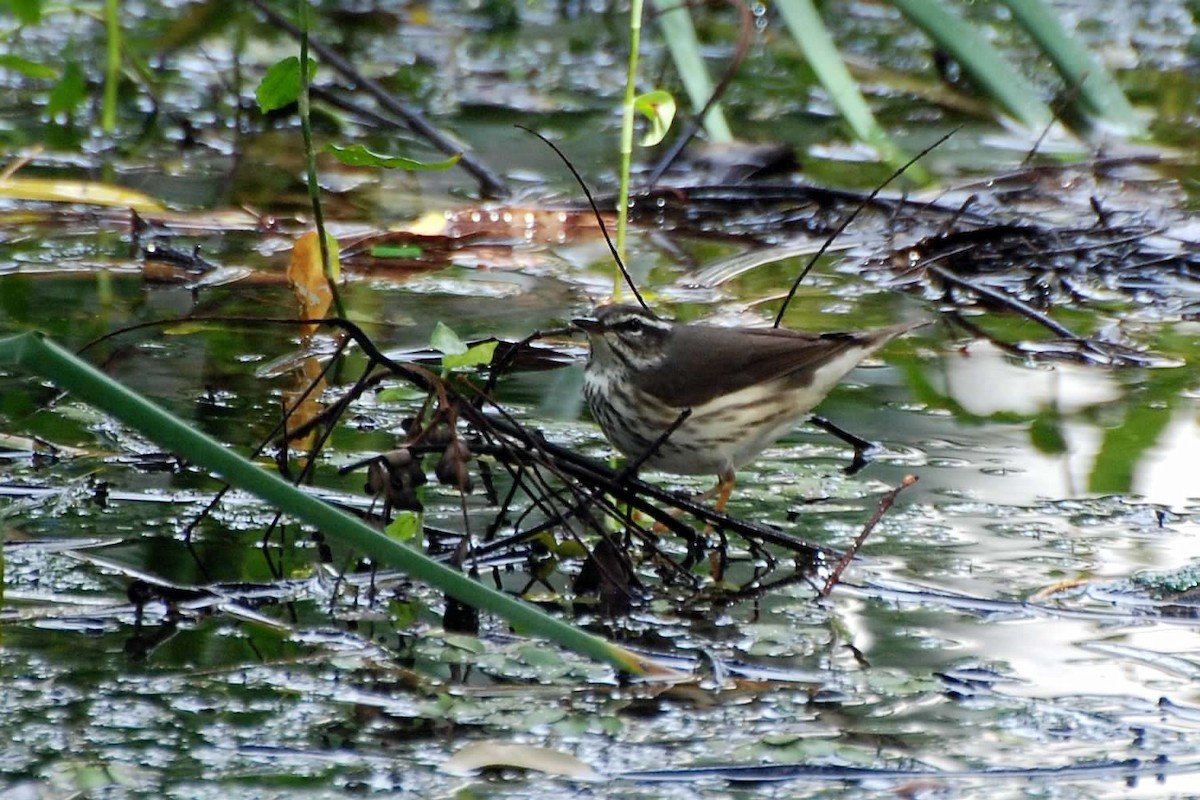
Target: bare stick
(633, 466)
(595, 210)
(490, 184)
(846, 223)
(885, 503)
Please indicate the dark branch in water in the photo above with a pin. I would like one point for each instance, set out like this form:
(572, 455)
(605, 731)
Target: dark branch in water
(490, 184)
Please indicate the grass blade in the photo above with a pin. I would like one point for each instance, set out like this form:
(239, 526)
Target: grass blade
(675, 20)
(1098, 91)
(810, 33)
(982, 62)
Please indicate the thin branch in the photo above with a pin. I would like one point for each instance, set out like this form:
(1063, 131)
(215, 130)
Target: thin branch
(885, 503)
(595, 210)
(841, 228)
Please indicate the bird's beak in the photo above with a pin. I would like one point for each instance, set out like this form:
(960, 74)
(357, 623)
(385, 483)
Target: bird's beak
(587, 324)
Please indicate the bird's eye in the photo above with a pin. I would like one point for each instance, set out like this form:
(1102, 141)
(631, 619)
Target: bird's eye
(633, 326)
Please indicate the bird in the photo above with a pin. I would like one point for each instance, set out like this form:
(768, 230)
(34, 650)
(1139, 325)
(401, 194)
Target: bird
(694, 399)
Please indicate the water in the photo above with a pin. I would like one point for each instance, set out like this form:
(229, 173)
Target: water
(993, 620)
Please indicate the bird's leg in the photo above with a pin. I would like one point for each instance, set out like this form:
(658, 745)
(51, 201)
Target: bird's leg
(723, 490)
(703, 497)
(717, 557)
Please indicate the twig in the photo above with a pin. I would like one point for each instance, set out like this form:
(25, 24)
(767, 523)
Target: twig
(616, 254)
(885, 503)
(860, 445)
(846, 223)
(633, 466)
(1006, 300)
(639, 493)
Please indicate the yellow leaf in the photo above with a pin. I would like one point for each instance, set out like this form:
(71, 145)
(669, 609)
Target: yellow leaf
(431, 223)
(54, 190)
(307, 275)
(304, 400)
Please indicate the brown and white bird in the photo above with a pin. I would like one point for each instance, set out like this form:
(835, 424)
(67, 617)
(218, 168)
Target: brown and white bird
(743, 388)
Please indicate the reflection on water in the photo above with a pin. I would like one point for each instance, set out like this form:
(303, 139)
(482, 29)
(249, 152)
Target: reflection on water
(1039, 433)
(984, 382)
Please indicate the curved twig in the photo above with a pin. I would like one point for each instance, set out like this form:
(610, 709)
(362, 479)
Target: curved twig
(841, 228)
(595, 210)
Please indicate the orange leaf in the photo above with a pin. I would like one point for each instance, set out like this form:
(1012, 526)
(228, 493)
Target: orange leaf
(307, 276)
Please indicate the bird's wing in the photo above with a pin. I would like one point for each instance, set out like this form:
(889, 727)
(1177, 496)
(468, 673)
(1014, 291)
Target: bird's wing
(706, 362)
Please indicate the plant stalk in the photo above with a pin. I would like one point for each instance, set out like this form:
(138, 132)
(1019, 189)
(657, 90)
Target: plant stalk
(635, 40)
(112, 67)
(310, 160)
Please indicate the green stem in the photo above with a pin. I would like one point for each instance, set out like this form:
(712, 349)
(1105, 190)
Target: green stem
(112, 69)
(310, 159)
(635, 40)
(41, 356)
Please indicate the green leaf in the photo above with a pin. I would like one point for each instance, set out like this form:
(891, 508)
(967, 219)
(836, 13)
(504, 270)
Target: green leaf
(396, 251)
(658, 107)
(28, 68)
(281, 85)
(1045, 434)
(405, 527)
(399, 394)
(27, 12)
(476, 354)
(405, 614)
(536, 655)
(611, 725)
(568, 548)
(356, 155)
(68, 92)
(446, 341)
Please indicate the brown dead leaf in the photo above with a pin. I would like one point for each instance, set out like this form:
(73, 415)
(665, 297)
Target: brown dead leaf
(306, 405)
